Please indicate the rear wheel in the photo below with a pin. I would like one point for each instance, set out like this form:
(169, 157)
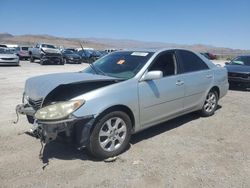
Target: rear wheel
(111, 135)
(210, 104)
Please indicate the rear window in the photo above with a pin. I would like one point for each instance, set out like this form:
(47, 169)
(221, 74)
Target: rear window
(25, 48)
(191, 62)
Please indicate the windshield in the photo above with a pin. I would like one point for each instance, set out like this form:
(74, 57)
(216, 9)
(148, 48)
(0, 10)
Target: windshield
(7, 51)
(123, 65)
(243, 60)
(48, 46)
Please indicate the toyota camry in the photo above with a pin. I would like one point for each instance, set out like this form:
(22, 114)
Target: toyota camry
(121, 94)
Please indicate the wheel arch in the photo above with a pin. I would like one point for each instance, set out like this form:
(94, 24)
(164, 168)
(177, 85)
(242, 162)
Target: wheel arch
(217, 89)
(118, 107)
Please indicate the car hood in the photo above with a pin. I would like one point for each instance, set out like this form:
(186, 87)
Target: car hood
(8, 56)
(51, 50)
(40, 86)
(238, 68)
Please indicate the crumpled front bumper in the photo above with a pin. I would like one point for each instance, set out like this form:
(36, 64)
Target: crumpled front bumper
(25, 109)
(47, 131)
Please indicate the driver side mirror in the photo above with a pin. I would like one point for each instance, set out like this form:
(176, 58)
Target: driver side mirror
(152, 75)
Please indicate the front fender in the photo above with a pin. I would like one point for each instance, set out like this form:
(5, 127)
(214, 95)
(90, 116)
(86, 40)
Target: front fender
(123, 93)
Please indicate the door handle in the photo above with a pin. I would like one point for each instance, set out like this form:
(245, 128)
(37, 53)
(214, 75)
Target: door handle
(209, 76)
(179, 83)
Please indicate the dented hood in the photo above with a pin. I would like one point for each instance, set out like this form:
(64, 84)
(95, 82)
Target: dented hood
(51, 50)
(40, 86)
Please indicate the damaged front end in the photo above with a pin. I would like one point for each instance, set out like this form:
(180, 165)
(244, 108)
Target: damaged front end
(48, 102)
(49, 57)
(76, 129)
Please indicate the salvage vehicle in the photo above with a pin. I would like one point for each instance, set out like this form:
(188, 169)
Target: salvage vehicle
(8, 56)
(70, 56)
(121, 94)
(239, 71)
(89, 56)
(47, 53)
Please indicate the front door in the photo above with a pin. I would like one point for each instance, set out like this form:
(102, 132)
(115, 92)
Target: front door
(162, 98)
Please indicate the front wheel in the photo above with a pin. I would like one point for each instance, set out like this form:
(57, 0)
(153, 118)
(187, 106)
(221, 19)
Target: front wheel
(31, 59)
(111, 135)
(210, 104)
(63, 61)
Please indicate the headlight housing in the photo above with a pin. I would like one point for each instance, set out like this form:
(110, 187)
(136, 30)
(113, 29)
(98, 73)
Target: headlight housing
(58, 111)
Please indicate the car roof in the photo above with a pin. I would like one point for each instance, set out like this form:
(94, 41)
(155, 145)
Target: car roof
(154, 50)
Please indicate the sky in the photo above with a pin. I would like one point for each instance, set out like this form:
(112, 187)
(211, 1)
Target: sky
(221, 23)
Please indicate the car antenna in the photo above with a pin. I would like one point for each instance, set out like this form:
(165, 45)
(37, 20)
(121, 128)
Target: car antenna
(93, 66)
(90, 64)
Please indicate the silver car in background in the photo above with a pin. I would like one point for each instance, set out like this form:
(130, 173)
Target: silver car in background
(121, 94)
(8, 57)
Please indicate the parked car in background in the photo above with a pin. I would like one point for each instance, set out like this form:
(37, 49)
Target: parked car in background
(71, 49)
(70, 56)
(47, 53)
(8, 56)
(121, 94)
(103, 53)
(23, 53)
(3, 46)
(89, 56)
(209, 55)
(110, 50)
(239, 71)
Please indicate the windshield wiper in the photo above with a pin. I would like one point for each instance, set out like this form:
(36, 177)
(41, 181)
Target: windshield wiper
(93, 68)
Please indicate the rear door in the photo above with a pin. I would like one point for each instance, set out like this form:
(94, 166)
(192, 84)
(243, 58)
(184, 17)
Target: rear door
(161, 98)
(197, 76)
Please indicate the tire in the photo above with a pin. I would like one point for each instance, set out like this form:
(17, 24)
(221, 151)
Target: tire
(210, 104)
(31, 59)
(64, 61)
(111, 130)
(41, 62)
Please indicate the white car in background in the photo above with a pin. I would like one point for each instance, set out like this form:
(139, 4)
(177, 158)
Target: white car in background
(8, 57)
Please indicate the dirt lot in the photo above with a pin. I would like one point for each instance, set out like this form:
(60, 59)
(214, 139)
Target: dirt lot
(186, 152)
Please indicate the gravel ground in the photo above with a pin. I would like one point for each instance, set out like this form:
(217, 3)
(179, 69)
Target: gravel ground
(189, 151)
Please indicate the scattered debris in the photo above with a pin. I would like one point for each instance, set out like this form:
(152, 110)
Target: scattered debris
(110, 159)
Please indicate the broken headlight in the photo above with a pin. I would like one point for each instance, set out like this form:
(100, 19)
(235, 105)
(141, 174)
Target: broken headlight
(58, 111)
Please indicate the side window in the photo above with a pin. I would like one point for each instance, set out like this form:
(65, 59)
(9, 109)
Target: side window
(165, 63)
(191, 62)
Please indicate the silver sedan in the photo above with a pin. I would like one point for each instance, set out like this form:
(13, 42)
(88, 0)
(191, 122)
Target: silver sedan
(121, 94)
(8, 57)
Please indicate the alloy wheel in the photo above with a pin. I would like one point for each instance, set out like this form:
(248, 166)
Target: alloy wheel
(210, 102)
(112, 134)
